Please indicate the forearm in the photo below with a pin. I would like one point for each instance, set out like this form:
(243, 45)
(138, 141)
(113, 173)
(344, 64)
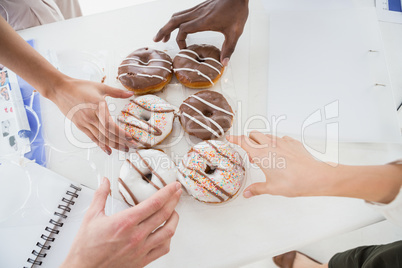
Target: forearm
(371, 183)
(21, 58)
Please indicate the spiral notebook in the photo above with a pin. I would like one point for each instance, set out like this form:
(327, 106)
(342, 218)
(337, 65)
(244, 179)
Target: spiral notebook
(40, 214)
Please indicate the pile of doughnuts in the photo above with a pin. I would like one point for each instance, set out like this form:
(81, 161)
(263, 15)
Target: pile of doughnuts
(148, 70)
(212, 171)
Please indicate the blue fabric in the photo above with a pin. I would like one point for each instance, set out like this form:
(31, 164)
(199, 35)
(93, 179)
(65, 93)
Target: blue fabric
(34, 115)
(395, 5)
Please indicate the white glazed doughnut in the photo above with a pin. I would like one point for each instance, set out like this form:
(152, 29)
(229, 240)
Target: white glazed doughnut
(149, 120)
(144, 173)
(212, 172)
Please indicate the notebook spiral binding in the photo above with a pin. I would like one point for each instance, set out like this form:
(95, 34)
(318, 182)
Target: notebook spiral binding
(67, 201)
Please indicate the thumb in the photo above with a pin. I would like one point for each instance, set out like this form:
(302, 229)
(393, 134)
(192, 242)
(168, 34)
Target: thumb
(255, 189)
(228, 48)
(238, 140)
(100, 197)
(118, 93)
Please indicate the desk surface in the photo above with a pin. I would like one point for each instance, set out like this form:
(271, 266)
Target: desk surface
(243, 230)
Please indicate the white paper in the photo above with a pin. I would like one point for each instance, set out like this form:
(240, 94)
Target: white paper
(303, 5)
(325, 80)
(32, 196)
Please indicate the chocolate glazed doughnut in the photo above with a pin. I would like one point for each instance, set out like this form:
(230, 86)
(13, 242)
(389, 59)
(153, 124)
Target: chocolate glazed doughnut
(198, 66)
(145, 71)
(206, 115)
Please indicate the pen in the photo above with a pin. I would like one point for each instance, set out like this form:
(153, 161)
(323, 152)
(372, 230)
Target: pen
(399, 107)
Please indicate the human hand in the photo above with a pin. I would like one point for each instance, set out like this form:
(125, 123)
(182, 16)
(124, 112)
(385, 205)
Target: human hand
(225, 16)
(125, 239)
(83, 102)
(289, 169)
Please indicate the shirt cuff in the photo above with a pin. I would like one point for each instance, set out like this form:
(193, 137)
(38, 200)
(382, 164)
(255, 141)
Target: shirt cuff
(391, 211)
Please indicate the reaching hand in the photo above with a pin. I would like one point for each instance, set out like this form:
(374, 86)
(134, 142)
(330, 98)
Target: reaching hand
(289, 169)
(225, 16)
(130, 238)
(83, 102)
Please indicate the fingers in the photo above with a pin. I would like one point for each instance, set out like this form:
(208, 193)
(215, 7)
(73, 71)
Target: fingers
(153, 204)
(192, 9)
(103, 146)
(172, 24)
(181, 37)
(259, 138)
(98, 134)
(111, 130)
(154, 221)
(257, 152)
(163, 233)
(228, 47)
(119, 132)
(177, 19)
(163, 33)
(110, 126)
(255, 138)
(157, 253)
(104, 141)
(104, 115)
(247, 144)
(112, 139)
(244, 142)
(103, 131)
(99, 200)
(256, 189)
(196, 25)
(166, 38)
(289, 139)
(118, 93)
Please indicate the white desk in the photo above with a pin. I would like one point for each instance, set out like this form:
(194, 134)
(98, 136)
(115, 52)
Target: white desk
(244, 230)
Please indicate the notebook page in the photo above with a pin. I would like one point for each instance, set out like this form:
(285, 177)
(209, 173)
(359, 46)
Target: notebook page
(34, 194)
(26, 209)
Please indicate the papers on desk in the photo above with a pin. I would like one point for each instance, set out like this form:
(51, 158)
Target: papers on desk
(328, 77)
(389, 10)
(14, 126)
(20, 118)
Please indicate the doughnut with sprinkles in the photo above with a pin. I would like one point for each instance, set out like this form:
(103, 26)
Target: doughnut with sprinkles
(149, 120)
(212, 172)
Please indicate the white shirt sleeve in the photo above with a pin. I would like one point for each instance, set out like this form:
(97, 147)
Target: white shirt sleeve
(393, 210)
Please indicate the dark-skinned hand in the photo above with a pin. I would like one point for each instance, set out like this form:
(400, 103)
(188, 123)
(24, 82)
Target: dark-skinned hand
(225, 16)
